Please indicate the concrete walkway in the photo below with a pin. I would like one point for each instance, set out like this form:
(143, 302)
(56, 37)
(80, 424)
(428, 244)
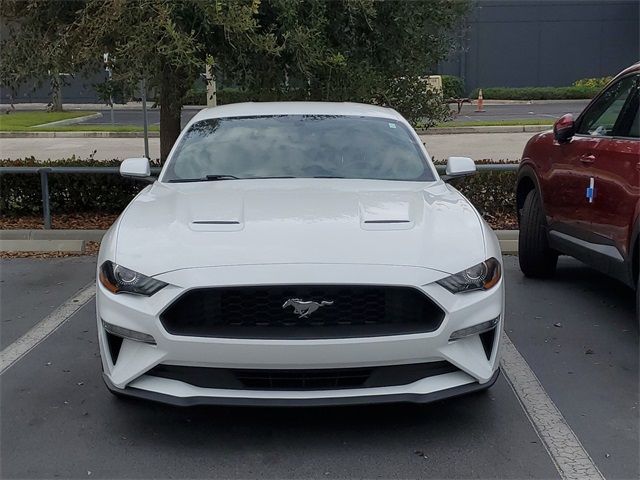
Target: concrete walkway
(479, 146)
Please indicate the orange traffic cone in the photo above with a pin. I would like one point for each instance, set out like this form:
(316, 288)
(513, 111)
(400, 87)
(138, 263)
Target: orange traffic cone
(480, 102)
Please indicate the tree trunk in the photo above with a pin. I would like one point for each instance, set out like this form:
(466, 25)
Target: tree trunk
(172, 91)
(56, 93)
(169, 128)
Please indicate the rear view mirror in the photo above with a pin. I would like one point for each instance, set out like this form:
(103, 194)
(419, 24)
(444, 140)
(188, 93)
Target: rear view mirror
(459, 167)
(136, 168)
(564, 128)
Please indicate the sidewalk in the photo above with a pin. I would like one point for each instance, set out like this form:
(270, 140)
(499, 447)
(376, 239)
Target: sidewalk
(479, 146)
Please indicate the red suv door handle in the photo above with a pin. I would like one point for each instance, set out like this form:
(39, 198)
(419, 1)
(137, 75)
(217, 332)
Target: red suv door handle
(588, 158)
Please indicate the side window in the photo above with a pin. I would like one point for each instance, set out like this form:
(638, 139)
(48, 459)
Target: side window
(627, 125)
(635, 126)
(601, 118)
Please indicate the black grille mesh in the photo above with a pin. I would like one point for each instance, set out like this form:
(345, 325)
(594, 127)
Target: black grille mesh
(257, 312)
(317, 379)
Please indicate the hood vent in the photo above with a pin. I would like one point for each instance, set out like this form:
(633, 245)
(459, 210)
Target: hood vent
(386, 221)
(391, 212)
(216, 222)
(216, 225)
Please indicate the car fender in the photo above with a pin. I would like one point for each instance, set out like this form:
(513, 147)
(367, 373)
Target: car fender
(634, 243)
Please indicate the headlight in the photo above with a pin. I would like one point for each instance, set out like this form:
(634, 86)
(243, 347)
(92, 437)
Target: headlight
(479, 277)
(118, 279)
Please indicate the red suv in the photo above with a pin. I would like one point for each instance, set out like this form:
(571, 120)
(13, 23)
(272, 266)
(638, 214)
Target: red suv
(578, 190)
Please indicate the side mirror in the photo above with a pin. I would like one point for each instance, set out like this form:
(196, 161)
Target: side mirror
(564, 128)
(136, 168)
(459, 167)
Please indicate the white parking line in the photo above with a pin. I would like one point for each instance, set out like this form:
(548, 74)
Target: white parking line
(571, 459)
(45, 327)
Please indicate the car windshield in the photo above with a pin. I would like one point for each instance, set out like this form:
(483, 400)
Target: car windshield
(298, 146)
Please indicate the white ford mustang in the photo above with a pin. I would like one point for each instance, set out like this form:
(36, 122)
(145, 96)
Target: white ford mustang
(299, 254)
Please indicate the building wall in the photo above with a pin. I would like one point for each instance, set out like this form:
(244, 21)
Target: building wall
(75, 90)
(519, 43)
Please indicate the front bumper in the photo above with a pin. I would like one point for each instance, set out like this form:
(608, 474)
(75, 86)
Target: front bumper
(241, 400)
(475, 369)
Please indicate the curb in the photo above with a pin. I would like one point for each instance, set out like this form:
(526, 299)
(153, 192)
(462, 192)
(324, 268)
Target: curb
(68, 246)
(33, 240)
(28, 235)
(485, 129)
(77, 135)
(69, 121)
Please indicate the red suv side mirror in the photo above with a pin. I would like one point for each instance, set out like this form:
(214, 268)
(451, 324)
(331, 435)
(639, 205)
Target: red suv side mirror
(564, 128)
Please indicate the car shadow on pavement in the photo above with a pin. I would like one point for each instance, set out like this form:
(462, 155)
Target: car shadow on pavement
(575, 280)
(358, 419)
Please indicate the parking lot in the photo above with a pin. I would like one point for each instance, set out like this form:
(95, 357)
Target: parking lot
(577, 332)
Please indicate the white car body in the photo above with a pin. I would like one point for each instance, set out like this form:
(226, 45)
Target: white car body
(299, 231)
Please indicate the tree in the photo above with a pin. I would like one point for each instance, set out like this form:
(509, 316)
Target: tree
(164, 41)
(34, 45)
(358, 50)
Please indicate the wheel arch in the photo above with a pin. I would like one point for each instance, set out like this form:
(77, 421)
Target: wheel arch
(527, 181)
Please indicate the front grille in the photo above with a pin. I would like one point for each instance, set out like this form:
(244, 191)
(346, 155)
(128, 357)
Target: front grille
(257, 312)
(319, 379)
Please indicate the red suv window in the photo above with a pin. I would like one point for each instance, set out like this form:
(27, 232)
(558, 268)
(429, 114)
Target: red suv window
(608, 116)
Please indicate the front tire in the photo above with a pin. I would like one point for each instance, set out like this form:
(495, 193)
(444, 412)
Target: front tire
(537, 259)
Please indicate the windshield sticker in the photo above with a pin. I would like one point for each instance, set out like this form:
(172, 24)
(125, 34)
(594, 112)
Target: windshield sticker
(392, 125)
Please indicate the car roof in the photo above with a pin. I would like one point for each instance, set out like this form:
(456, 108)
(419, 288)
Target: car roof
(251, 109)
(630, 69)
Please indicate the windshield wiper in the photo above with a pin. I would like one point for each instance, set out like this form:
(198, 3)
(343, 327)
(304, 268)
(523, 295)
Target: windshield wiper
(266, 178)
(207, 178)
(221, 177)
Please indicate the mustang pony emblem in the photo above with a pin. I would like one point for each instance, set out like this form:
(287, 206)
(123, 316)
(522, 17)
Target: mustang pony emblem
(304, 308)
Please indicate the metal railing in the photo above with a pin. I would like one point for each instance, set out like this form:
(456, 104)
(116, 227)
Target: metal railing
(44, 173)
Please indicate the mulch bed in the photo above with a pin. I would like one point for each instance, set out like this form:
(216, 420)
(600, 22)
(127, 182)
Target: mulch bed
(71, 221)
(90, 248)
(76, 221)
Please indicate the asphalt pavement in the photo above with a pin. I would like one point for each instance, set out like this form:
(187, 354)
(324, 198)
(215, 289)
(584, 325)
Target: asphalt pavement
(578, 332)
(131, 114)
(536, 110)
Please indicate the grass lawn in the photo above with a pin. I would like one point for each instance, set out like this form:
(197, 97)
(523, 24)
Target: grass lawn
(27, 121)
(497, 123)
(23, 121)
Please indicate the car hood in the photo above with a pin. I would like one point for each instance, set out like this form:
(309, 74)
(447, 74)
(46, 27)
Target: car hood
(303, 221)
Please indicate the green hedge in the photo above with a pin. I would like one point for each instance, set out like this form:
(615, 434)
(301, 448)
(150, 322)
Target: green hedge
(452, 87)
(493, 193)
(597, 82)
(69, 193)
(537, 93)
